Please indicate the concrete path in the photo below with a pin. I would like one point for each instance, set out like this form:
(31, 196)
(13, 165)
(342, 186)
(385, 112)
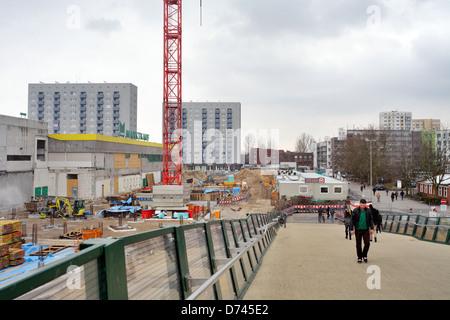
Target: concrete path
(386, 205)
(315, 261)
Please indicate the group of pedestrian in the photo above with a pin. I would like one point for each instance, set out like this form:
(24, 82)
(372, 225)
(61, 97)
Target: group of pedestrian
(361, 222)
(394, 195)
(329, 212)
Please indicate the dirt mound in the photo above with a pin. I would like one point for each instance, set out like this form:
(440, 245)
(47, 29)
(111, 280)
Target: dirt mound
(254, 180)
(197, 175)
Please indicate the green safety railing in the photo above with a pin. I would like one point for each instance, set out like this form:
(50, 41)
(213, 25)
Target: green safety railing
(169, 263)
(434, 229)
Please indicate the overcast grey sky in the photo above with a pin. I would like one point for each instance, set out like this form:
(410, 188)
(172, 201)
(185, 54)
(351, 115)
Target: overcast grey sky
(299, 66)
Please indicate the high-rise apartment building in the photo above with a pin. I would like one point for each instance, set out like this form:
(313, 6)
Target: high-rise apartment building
(395, 120)
(426, 124)
(94, 108)
(211, 134)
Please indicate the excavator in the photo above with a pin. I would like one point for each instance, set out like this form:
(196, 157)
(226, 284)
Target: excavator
(61, 207)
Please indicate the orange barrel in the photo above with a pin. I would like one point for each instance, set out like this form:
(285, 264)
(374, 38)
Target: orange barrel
(217, 214)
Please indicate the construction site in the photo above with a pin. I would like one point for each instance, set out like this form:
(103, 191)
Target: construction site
(53, 224)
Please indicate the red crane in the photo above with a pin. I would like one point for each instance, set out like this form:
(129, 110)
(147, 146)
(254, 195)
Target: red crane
(172, 158)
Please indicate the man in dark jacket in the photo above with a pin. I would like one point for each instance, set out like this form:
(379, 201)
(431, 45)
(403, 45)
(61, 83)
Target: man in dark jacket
(362, 227)
(377, 220)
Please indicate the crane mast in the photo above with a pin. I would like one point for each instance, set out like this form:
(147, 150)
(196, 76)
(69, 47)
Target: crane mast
(172, 158)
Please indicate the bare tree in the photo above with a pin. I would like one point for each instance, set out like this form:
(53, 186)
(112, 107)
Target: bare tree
(249, 143)
(303, 142)
(434, 162)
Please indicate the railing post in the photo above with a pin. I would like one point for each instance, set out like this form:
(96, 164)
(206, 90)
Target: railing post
(183, 264)
(114, 266)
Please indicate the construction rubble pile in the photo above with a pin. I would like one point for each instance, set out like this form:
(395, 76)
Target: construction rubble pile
(11, 252)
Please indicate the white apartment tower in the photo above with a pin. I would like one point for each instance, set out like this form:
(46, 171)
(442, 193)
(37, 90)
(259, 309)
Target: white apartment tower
(395, 120)
(211, 135)
(74, 108)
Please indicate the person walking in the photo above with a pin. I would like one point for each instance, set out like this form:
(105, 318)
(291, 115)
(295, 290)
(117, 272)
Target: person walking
(332, 215)
(362, 227)
(321, 217)
(392, 196)
(376, 216)
(378, 197)
(402, 194)
(348, 222)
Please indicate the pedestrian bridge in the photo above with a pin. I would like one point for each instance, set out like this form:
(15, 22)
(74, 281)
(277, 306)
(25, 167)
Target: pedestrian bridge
(250, 258)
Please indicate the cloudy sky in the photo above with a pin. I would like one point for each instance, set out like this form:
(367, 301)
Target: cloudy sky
(303, 66)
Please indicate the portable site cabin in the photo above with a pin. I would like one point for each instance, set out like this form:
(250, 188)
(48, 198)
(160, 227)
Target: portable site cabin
(313, 185)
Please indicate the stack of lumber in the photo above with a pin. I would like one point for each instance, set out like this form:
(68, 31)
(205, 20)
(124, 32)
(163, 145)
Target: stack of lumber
(11, 252)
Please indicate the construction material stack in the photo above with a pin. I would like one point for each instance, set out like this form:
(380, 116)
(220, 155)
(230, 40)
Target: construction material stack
(11, 252)
(171, 197)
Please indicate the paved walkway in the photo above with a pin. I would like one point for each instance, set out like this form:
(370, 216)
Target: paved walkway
(387, 205)
(315, 261)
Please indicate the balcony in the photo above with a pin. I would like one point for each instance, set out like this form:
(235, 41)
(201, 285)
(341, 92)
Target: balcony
(116, 96)
(116, 109)
(83, 96)
(82, 122)
(100, 109)
(83, 102)
(57, 96)
(41, 103)
(100, 102)
(56, 109)
(83, 115)
(116, 102)
(41, 96)
(41, 109)
(100, 122)
(83, 109)
(100, 95)
(56, 102)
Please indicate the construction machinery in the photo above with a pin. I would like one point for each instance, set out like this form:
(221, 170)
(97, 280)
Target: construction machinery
(61, 207)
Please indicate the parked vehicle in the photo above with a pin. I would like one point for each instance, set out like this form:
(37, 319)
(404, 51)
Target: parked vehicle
(380, 187)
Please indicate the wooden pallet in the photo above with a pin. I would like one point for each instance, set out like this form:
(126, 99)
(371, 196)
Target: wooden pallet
(49, 250)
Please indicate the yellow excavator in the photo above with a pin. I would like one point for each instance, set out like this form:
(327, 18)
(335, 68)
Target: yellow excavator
(61, 207)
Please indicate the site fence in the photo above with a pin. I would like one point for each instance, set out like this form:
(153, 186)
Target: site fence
(210, 260)
(435, 229)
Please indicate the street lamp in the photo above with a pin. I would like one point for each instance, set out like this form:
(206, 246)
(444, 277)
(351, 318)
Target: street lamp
(368, 140)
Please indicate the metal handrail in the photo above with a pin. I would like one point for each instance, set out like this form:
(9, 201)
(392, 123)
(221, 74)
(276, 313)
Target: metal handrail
(216, 276)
